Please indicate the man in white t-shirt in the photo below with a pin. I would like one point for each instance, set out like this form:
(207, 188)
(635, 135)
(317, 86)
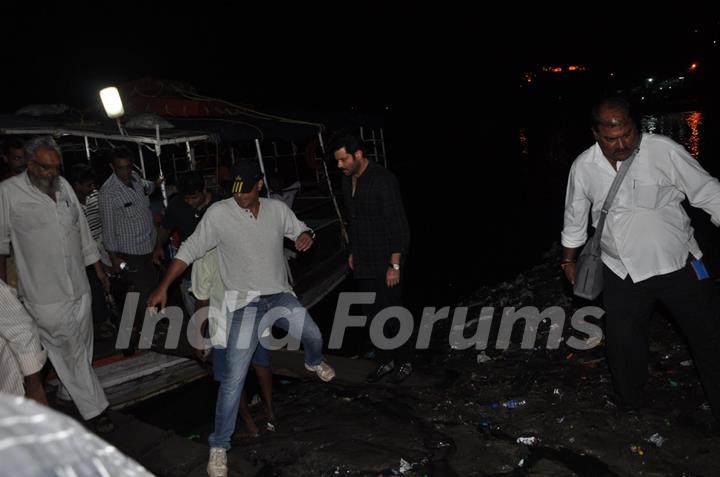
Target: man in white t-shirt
(248, 232)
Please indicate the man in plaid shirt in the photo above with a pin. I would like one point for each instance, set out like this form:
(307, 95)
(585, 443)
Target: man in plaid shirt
(128, 229)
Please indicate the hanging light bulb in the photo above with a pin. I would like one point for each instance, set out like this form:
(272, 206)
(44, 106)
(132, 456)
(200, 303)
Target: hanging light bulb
(111, 102)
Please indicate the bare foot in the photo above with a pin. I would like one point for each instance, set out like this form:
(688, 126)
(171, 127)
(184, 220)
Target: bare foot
(250, 431)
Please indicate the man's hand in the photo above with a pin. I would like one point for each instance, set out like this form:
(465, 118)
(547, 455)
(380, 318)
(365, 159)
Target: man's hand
(158, 298)
(567, 262)
(34, 389)
(570, 270)
(102, 276)
(350, 262)
(304, 242)
(392, 277)
(116, 261)
(158, 256)
(204, 355)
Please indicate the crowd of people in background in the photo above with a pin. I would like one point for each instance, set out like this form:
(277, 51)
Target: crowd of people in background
(65, 244)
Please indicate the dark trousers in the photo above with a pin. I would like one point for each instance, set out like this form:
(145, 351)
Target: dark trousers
(695, 308)
(97, 293)
(142, 277)
(385, 297)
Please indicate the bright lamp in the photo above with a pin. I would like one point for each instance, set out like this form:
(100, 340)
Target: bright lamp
(111, 102)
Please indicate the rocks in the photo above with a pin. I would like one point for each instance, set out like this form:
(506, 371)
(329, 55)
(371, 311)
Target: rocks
(329, 429)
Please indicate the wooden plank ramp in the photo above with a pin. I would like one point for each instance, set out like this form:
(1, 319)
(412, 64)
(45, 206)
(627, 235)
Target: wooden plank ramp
(129, 380)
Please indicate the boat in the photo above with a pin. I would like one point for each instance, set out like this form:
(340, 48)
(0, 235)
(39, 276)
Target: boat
(208, 135)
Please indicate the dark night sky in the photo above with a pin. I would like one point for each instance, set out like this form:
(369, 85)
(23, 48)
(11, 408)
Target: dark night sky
(396, 58)
(451, 80)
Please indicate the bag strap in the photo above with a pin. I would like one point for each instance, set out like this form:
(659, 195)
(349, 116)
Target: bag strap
(625, 165)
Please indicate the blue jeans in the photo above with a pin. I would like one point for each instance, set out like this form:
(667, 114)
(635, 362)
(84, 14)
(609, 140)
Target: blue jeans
(241, 345)
(260, 357)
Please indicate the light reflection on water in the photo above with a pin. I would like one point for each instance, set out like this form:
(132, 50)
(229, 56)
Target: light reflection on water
(523, 143)
(694, 120)
(685, 128)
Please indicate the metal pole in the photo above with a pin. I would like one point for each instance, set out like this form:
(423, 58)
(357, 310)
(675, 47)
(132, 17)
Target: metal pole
(332, 194)
(262, 166)
(158, 150)
(142, 161)
(190, 155)
(174, 164)
(157, 141)
(382, 144)
(275, 159)
(119, 125)
(294, 155)
(375, 150)
(87, 148)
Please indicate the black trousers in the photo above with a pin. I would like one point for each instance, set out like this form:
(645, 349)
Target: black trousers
(142, 277)
(385, 297)
(695, 308)
(97, 292)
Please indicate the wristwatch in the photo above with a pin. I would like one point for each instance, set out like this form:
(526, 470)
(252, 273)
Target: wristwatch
(311, 232)
(394, 266)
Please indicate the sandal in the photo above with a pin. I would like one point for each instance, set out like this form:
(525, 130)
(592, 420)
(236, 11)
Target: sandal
(271, 425)
(102, 424)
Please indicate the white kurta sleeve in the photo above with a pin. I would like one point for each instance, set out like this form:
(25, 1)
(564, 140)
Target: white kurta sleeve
(89, 246)
(20, 332)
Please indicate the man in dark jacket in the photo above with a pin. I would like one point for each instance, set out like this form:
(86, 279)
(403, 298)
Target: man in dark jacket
(379, 239)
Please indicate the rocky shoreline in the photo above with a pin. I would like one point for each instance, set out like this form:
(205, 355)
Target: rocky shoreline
(540, 412)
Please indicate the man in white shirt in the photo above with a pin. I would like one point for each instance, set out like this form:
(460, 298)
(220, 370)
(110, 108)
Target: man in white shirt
(248, 232)
(648, 248)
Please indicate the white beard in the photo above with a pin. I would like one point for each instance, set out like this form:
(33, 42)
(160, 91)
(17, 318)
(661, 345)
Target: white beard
(48, 185)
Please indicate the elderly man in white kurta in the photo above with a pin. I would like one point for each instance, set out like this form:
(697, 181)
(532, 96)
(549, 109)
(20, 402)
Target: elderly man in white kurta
(41, 218)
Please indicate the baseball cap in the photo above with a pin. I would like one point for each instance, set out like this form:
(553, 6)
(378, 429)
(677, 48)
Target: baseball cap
(244, 175)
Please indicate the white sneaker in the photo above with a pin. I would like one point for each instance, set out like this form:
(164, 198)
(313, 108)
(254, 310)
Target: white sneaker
(217, 464)
(323, 370)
